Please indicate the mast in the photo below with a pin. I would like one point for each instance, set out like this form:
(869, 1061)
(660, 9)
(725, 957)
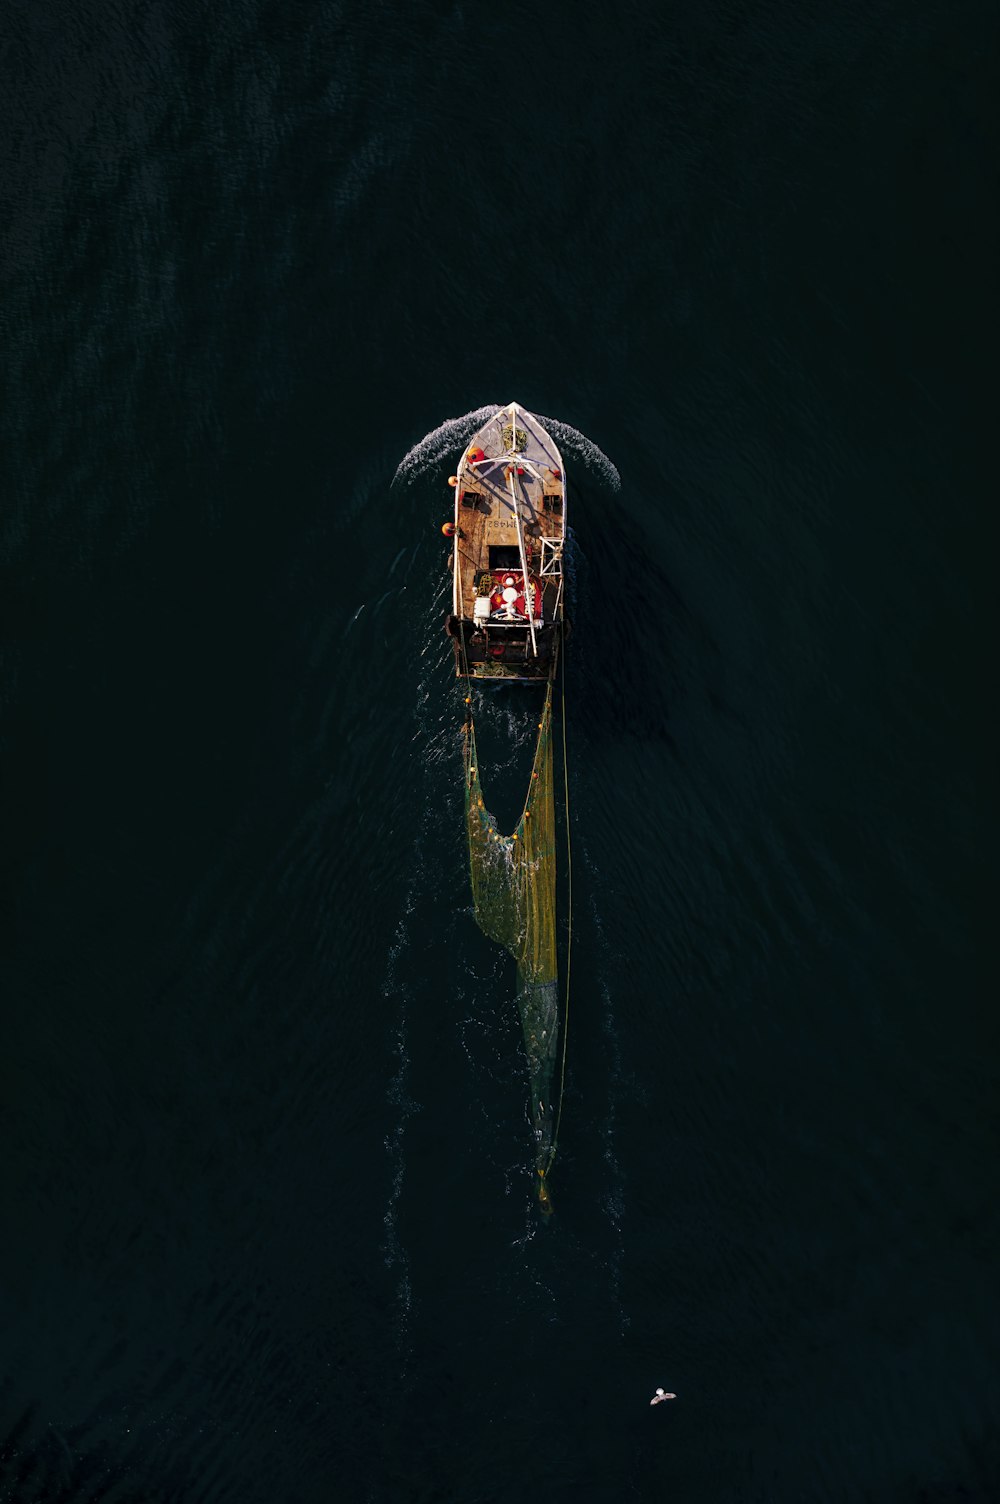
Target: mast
(529, 603)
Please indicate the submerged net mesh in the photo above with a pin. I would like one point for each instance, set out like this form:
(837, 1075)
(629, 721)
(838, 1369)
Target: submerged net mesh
(514, 894)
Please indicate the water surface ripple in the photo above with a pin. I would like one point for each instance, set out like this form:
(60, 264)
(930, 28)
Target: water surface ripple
(270, 1231)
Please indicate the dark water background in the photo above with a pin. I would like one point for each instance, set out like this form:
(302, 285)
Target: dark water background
(268, 1230)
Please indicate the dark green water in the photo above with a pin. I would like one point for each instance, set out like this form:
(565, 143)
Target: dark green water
(269, 1231)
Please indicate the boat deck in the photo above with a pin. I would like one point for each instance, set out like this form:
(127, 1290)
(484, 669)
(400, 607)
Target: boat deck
(487, 496)
(486, 521)
(508, 481)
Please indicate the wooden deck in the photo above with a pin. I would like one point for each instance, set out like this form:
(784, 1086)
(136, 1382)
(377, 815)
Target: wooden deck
(486, 520)
(484, 510)
(518, 478)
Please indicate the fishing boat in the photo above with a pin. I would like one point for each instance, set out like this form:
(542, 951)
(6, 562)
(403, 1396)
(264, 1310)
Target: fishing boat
(506, 623)
(509, 533)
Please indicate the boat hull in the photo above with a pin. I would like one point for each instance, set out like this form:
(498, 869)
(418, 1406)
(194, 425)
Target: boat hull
(509, 532)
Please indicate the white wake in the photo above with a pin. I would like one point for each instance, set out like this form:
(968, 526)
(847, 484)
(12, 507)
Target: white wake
(449, 437)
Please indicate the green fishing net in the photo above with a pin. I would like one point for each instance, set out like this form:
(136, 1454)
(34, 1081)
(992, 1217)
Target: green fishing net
(514, 895)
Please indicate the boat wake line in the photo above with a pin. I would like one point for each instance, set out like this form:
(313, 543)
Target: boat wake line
(454, 432)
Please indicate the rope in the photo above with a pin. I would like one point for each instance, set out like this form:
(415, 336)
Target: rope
(569, 937)
(469, 731)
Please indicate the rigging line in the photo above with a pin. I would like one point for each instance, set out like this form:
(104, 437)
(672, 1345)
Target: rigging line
(569, 901)
(528, 601)
(459, 609)
(468, 727)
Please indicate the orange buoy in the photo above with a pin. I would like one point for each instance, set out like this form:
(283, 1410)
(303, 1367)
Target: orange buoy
(449, 529)
(476, 454)
(453, 480)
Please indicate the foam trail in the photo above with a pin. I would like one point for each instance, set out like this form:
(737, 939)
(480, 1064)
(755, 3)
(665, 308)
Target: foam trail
(449, 437)
(393, 1251)
(584, 449)
(613, 1200)
(434, 730)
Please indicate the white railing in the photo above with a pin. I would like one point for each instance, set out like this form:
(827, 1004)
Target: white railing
(550, 562)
